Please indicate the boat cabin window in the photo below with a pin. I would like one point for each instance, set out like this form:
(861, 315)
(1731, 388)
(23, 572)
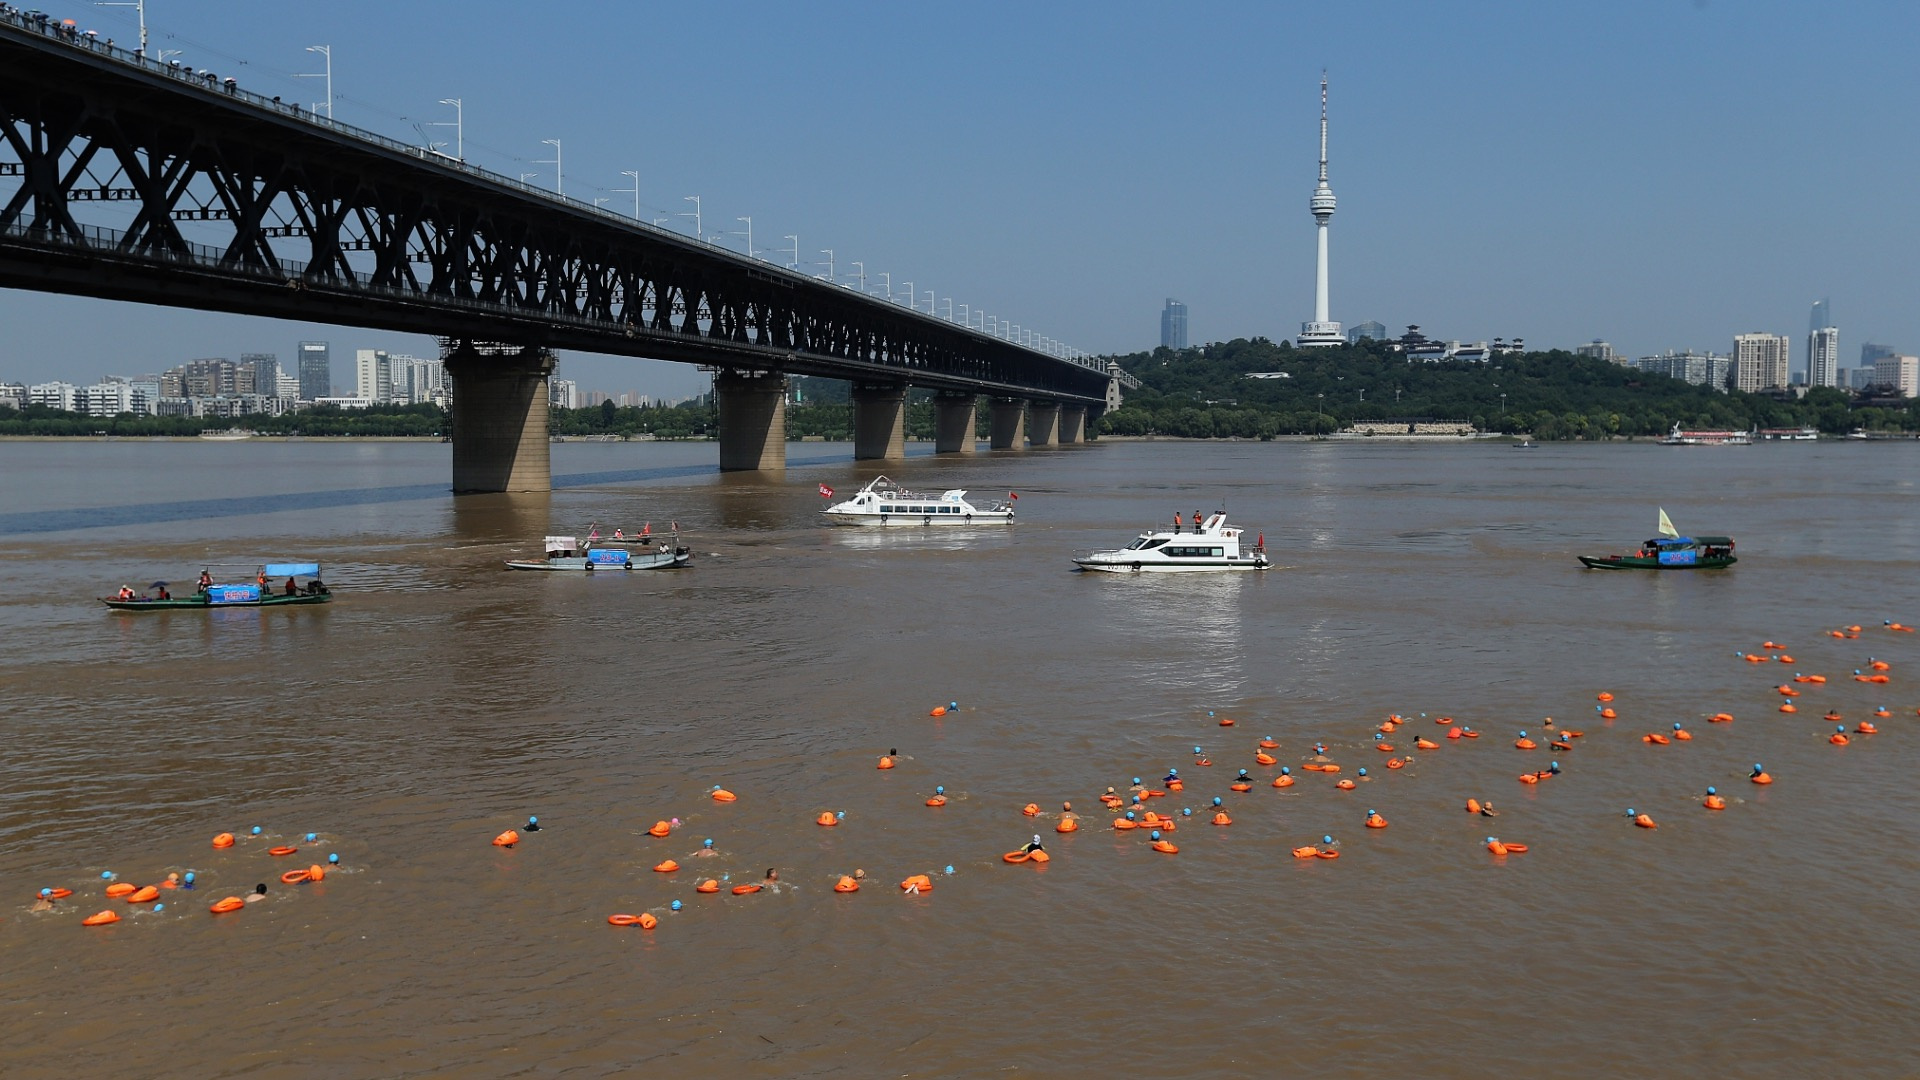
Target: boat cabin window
(1145, 544)
(1194, 552)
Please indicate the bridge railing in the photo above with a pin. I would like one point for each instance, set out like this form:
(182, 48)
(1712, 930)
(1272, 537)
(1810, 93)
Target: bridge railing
(210, 83)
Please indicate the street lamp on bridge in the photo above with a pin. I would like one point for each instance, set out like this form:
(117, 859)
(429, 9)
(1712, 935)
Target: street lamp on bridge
(748, 234)
(559, 181)
(458, 125)
(695, 215)
(910, 294)
(886, 282)
(326, 51)
(793, 263)
(634, 190)
(828, 252)
(141, 5)
(862, 277)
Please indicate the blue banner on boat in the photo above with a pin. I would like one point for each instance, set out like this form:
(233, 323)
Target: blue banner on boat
(607, 557)
(291, 569)
(233, 594)
(1678, 558)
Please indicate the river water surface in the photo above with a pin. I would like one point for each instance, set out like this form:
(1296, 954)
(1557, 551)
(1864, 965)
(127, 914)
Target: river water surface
(441, 699)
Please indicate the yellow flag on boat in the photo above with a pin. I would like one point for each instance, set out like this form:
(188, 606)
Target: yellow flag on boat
(1666, 525)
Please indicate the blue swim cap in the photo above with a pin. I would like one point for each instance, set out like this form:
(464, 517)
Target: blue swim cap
(332, 858)
(1326, 839)
(1378, 737)
(1284, 771)
(839, 815)
(311, 837)
(106, 875)
(939, 789)
(949, 869)
(953, 704)
(1196, 749)
(189, 877)
(1840, 727)
(1156, 834)
(1136, 779)
(1216, 800)
(1371, 812)
(1629, 811)
(1711, 791)
(159, 907)
(1523, 734)
(1129, 815)
(1757, 768)
(256, 830)
(1173, 772)
(46, 892)
(676, 905)
(1676, 727)
(1492, 839)
(707, 842)
(1186, 811)
(1363, 772)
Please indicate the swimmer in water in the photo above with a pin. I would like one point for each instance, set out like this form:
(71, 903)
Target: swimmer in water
(1487, 810)
(1137, 787)
(859, 875)
(772, 874)
(1066, 812)
(532, 825)
(1172, 775)
(1243, 777)
(259, 893)
(1033, 845)
(43, 903)
(706, 850)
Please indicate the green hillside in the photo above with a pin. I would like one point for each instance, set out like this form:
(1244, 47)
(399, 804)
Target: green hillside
(1205, 393)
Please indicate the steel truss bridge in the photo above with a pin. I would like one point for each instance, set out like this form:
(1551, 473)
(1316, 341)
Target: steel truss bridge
(127, 179)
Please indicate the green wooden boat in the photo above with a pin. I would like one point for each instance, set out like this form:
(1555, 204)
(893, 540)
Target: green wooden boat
(250, 594)
(1670, 551)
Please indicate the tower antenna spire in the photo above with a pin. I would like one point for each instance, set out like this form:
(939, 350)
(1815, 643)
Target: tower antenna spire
(1323, 125)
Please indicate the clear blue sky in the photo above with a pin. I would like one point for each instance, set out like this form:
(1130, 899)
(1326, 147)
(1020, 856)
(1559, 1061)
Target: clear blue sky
(1660, 174)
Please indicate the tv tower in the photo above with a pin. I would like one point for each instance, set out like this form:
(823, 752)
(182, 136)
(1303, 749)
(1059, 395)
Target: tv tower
(1322, 330)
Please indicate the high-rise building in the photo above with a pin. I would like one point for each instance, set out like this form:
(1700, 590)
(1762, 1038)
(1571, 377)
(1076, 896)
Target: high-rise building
(54, 395)
(1599, 350)
(373, 376)
(563, 394)
(1899, 373)
(316, 371)
(266, 372)
(1822, 315)
(1823, 356)
(1870, 353)
(1367, 331)
(1700, 369)
(1173, 325)
(1759, 362)
(215, 377)
(1322, 330)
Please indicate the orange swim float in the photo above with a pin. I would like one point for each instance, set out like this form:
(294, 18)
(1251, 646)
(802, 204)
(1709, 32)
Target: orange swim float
(885, 763)
(1880, 665)
(1468, 734)
(1268, 744)
(1523, 744)
(1328, 853)
(1473, 806)
(224, 840)
(622, 920)
(1221, 818)
(1425, 744)
(60, 894)
(506, 839)
(707, 886)
(1839, 738)
(1720, 718)
(1176, 785)
(144, 895)
(1031, 810)
(101, 918)
(826, 818)
(1067, 825)
(1443, 719)
(282, 850)
(293, 877)
(1385, 748)
(1496, 846)
(1515, 849)
(937, 800)
(1123, 823)
(1761, 778)
(1529, 778)
(1788, 708)
(1656, 738)
(1608, 714)
(1283, 781)
(1345, 785)
(1375, 821)
(1453, 733)
(846, 884)
(920, 881)
(1240, 785)
(723, 795)
(743, 890)
(1307, 852)
(231, 903)
(316, 872)
(119, 889)
(1264, 758)
(1866, 728)
(1603, 697)
(1396, 763)
(1165, 847)
(1644, 821)
(660, 828)
(1151, 794)
(1226, 722)
(937, 710)
(1203, 761)
(667, 867)
(1683, 735)
(1714, 802)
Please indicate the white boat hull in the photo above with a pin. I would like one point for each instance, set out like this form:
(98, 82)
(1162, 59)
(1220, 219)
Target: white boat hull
(917, 520)
(640, 561)
(1104, 563)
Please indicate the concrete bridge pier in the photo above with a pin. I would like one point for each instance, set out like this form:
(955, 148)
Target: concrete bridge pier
(753, 420)
(499, 418)
(1073, 424)
(1003, 424)
(954, 422)
(879, 421)
(1043, 424)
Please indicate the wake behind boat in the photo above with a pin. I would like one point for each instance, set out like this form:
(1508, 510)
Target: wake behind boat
(1210, 545)
(625, 553)
(883, 502)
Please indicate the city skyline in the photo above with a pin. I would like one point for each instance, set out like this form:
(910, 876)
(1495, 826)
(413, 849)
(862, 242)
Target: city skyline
(1471, 174)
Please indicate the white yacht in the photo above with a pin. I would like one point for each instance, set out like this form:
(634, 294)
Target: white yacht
(1212, 545)
(884, 502)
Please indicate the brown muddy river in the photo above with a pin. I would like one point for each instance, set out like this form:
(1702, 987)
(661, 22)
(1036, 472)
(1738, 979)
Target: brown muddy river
(441, 699)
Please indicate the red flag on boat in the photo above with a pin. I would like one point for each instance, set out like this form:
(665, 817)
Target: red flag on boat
(1261, 544)
(1014, 495)
(826, 492)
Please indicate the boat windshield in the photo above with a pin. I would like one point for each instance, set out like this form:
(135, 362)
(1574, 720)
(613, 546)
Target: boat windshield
(1146, 543)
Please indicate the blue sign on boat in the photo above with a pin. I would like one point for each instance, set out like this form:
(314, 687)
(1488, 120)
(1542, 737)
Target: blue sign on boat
(607, 557)
(291, 569)
(1685, 557)
(233, 594)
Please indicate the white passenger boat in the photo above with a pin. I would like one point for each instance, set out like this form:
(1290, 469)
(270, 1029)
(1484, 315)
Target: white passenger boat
(884, 502)
(567, 553)
(1214, 545)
